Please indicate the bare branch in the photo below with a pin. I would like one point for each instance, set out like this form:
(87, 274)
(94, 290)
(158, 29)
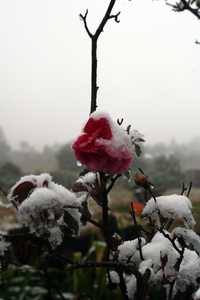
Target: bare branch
(106, 17)
(115, 17)
(84, 19)
(103, 264)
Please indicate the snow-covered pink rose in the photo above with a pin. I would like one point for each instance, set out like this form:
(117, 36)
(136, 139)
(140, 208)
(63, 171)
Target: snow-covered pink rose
(103, 145)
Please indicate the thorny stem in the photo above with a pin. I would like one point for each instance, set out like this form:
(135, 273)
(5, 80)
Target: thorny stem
(94, 38)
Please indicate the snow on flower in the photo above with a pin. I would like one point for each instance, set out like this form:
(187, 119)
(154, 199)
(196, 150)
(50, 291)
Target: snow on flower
(24, 187)
(45, 207)
(170, 207)
(103, 145)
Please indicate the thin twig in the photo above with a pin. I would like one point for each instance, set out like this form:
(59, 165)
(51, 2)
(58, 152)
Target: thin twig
(95, 223)
(166, 235)
(94, 37)
(189, 189)
(84, 19)
(113, 180)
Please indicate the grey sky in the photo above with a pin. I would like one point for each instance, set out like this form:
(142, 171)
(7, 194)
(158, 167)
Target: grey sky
(149, 69)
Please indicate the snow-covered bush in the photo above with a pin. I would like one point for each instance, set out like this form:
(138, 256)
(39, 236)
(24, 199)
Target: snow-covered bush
(46, 208)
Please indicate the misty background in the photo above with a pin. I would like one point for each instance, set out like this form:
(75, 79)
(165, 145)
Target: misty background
(148, 73)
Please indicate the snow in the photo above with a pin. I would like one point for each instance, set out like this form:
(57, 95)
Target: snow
(25, 186)
(36, 180)
(114, 277)
(160, 246)
(196, 295)
(189, 236)
(131, 285)
(88, 178)
(188, 275)
(170, 207)
(44, 209)
(128, 249)
(130, 281)
(56, 236)
(120, 138)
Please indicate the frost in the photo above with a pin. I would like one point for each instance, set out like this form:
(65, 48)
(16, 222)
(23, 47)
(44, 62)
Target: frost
(170, 207)
(189, 236)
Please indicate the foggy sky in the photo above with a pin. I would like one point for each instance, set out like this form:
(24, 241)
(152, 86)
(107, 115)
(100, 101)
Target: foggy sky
(149, 69)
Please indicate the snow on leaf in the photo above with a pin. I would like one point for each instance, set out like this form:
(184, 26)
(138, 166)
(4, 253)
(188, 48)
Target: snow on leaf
(170, 207)
(128, 249)
(189, 236)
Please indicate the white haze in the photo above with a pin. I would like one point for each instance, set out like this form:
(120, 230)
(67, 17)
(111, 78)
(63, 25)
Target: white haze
(149, 69)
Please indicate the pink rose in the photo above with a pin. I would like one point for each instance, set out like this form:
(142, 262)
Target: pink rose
(103, 146)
